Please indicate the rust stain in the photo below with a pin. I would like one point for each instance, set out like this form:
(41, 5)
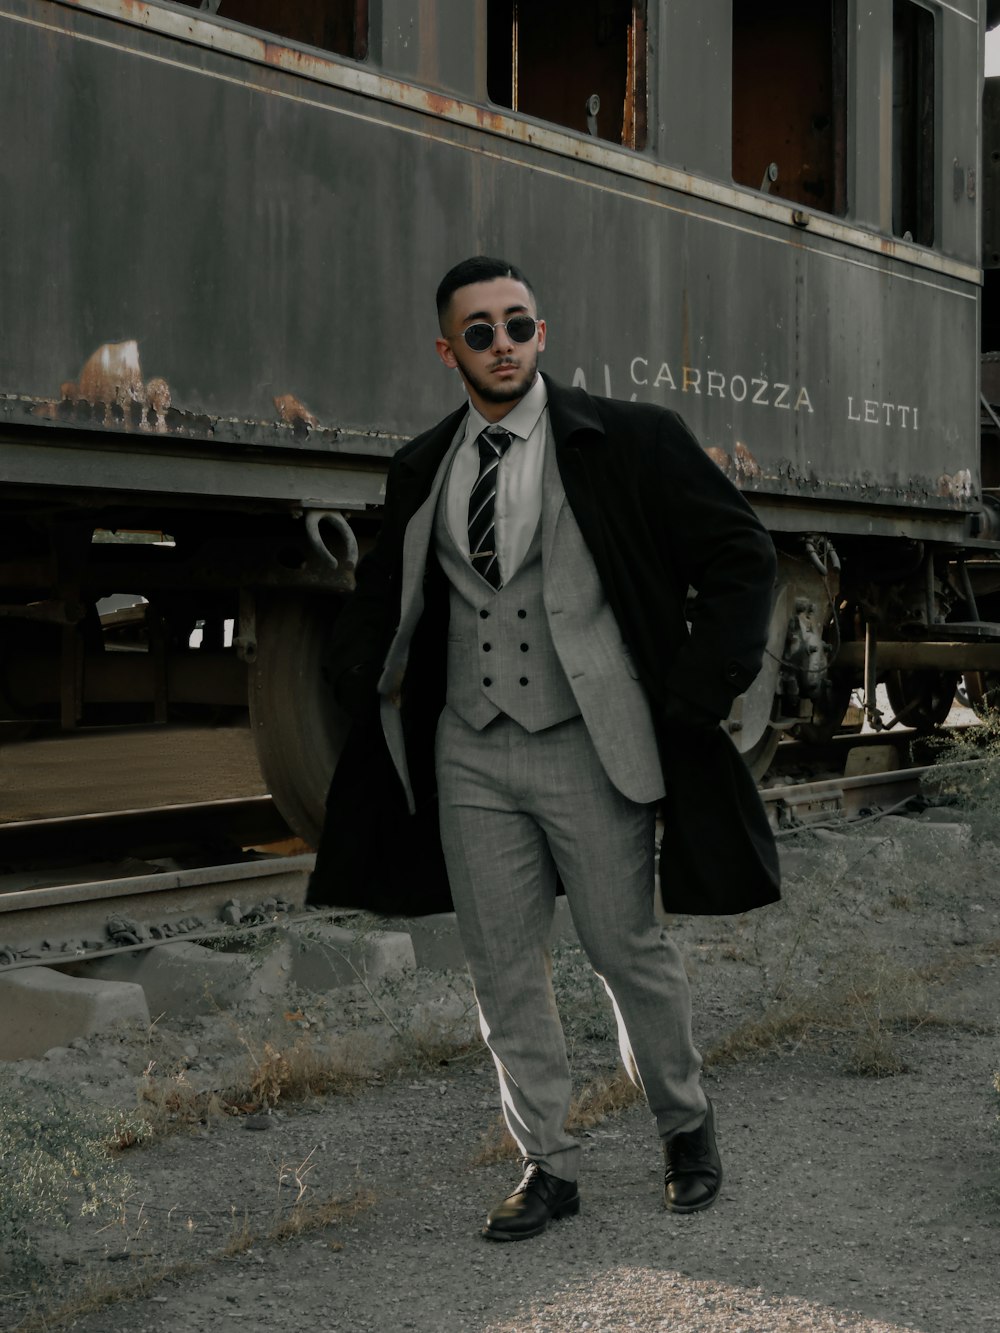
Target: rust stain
(721, 459)
(298, 62)
(494, 120)
(287, 57)
(958, 486)
(112, 392)
(112, 378)
(441, 105)
(294, 413)
(747, 467)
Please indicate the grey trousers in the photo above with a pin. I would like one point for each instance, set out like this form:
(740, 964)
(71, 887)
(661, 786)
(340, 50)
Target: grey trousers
(516, 807)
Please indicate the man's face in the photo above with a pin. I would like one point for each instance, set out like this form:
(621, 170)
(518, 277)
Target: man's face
(501, 375)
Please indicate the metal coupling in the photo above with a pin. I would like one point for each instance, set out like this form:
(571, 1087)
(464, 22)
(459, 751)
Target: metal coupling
(331, 538)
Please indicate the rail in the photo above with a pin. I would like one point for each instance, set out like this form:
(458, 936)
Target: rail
(67, 909)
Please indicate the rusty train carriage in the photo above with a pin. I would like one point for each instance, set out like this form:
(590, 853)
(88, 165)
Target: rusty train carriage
(220, 224)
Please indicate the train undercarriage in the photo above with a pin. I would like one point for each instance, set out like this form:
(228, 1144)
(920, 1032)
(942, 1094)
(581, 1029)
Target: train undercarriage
(139, 614)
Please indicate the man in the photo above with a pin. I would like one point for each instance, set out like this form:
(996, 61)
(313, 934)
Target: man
(521, 669)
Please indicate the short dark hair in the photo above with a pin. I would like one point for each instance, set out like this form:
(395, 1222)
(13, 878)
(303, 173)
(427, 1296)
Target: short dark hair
(480, 268)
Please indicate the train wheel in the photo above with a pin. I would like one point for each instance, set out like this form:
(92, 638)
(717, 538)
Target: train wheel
(921, 699)
(298, 729)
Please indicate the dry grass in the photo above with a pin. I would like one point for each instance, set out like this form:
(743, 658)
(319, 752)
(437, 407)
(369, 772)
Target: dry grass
(301, 1218)
(596, 1102)
(300, 1071)
(495, 1146)
(601, 1099)
(97, 1292)
(870, 1000)
(288, 1072)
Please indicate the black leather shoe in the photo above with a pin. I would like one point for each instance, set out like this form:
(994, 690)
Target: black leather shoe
(693, 1171)
(538, 1199)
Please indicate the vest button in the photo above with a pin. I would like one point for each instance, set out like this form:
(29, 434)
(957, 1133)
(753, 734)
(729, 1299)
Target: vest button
(487, 681)
(487, 647)
(524, 680)
(524, 647)
(485, 615)
(521, 614)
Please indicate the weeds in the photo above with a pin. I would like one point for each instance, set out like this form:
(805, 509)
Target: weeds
(966, 772)
(601, 1099)
(97, 1292)
(300, 1218)
(866, 998)
(57, 1162)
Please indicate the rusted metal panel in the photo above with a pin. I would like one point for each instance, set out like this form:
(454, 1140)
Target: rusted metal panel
(243, 257)
(442, 102)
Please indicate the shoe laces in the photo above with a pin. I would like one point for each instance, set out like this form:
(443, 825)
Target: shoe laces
(533, 1176)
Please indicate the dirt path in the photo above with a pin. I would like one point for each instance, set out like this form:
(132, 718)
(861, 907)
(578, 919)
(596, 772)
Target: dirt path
(850, 1202)
(847, 1205)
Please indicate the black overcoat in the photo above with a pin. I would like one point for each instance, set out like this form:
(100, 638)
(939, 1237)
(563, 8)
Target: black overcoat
(659, 518)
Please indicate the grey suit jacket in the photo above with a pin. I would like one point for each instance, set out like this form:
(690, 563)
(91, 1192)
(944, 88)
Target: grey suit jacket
(597, 662)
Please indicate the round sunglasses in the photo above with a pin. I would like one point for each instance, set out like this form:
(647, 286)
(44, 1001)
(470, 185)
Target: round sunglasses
(480, 337)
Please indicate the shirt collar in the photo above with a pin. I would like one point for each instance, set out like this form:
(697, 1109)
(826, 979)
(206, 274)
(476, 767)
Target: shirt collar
(520, 420)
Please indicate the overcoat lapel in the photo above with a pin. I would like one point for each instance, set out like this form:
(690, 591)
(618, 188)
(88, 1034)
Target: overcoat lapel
(416, 549)
(553, 500)
(416, 552)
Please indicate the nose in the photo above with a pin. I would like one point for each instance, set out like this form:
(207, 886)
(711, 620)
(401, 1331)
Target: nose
(502, 341)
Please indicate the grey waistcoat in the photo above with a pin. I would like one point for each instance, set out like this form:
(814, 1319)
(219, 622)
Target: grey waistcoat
(501, 658)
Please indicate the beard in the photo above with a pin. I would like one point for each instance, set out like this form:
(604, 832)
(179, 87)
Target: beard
(491, 392)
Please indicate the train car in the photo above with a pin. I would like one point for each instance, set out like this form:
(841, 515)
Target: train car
(221, 224)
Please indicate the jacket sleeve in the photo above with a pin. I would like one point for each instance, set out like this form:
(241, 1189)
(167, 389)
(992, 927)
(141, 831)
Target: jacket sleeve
(718, 545)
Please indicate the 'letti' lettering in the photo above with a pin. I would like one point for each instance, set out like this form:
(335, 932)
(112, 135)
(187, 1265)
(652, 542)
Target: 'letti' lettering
(872, 412)
(758, 391)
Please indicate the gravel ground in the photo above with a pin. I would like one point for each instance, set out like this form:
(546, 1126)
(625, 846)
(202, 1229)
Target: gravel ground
(850, 1201)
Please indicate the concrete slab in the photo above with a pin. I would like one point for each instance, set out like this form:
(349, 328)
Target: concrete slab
(184, 979)
(933, 836)
(324, 956)
(43, 1008)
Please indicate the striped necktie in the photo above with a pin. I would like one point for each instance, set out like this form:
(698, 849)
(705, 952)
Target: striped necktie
(493, 444)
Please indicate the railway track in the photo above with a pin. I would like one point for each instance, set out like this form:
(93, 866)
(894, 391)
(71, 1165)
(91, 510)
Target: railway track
(152, 830)
(92, 885)
(88, 885)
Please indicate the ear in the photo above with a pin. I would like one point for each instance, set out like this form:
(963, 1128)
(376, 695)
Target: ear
(445, 353)
(541, 335)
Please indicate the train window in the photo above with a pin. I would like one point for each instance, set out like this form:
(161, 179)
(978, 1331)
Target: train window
(790, 100)
(340, 26)
(580, 63)
(912, 122)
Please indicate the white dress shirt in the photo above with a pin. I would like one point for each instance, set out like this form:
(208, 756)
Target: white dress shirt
(519, 478)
